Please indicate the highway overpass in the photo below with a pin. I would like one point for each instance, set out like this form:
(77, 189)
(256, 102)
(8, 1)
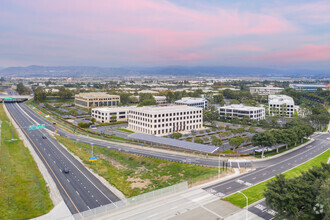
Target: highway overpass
(14, 98)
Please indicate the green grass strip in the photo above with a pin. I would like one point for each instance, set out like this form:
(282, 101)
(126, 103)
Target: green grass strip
(255, 193)
(125, 130)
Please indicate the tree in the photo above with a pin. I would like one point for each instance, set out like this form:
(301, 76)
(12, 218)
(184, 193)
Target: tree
(145, 96)
(216, 141)
(236, 141)
(265, 139)
(281, 137)
(39, 94)
(234, 101)
(93, 120)
(198, 140)
(125, 98)
(83, 124)
(147, 102)
(64, 93)
(22, 90)
(297, 198)
(219, 99)
(176, 135)
(169, 96)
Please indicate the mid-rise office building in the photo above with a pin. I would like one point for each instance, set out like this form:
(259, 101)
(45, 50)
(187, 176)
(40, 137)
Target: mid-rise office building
(309, 87)
(163, 120)
(106, 115)
(96, 99)
(160, 99)
(265, 91)
(241, 111)
(281, 105)
(194, 102)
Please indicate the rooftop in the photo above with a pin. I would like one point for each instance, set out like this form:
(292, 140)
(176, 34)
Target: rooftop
(96, 94)
(112, 109)
(280, 99)
(241, 106)
(174, 143)
(189, 100)
(160, 108)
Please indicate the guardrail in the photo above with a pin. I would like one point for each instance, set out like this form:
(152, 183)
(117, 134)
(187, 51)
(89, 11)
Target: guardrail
(129, 202)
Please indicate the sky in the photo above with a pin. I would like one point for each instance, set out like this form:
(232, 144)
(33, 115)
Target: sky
(117, 33)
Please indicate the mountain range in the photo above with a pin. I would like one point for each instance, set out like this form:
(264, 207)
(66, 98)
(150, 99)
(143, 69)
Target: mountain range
(195, 71)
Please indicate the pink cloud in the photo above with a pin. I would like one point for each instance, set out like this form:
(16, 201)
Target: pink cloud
(136, 29)
(306, 53)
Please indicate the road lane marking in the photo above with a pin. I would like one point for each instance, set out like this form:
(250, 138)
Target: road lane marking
(48, 166)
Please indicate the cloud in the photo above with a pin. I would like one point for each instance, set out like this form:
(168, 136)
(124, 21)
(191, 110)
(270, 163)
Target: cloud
(306, 53)
(134, 32)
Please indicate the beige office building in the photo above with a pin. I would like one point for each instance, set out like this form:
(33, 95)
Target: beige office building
(96, 99)
(164, 120)
(106, 115)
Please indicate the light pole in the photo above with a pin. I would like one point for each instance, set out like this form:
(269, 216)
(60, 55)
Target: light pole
(219, 167)
(247, 204)
(92, 150)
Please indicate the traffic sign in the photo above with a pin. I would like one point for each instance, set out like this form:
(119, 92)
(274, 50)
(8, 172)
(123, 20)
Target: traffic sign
(92, 158)
(34, 127)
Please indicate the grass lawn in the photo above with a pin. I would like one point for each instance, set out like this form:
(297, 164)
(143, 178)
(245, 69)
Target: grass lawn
(125, 130)
(255, 193)
(23, 192)
(133, 174)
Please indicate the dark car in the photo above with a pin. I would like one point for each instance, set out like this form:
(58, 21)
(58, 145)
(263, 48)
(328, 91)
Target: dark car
(44, 137)
(66, 170)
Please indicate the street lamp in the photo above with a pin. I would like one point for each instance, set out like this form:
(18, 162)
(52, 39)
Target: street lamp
(219, 167)
(247, 204)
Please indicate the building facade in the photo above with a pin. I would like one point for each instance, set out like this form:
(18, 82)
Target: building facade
(309, 87)
(160, 99)
(107, 115)
(241, 111)
(96, 99)
(264, 91)
(193, 102)
(281, 105)
(164, 120)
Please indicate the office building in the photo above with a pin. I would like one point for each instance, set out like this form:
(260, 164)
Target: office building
(96, 99)
(265, 91)
(194, 102)
(241, 111)
(309, 87)
(160, 99)
(163, 120)
(281, 105)
(106, 115)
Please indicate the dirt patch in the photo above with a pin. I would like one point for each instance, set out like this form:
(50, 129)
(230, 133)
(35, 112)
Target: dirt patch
(164, 178)
(161, 165)
(138, 183)
(114, 163)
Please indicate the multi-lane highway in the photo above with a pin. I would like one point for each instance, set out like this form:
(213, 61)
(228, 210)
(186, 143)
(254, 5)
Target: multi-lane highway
(80, 189)
(265, 169)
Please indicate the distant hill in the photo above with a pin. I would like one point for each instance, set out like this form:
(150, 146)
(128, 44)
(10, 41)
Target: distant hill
(88, 71)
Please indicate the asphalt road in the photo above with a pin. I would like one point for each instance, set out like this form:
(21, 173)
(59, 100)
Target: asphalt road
(80, 189)
(165, 155)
